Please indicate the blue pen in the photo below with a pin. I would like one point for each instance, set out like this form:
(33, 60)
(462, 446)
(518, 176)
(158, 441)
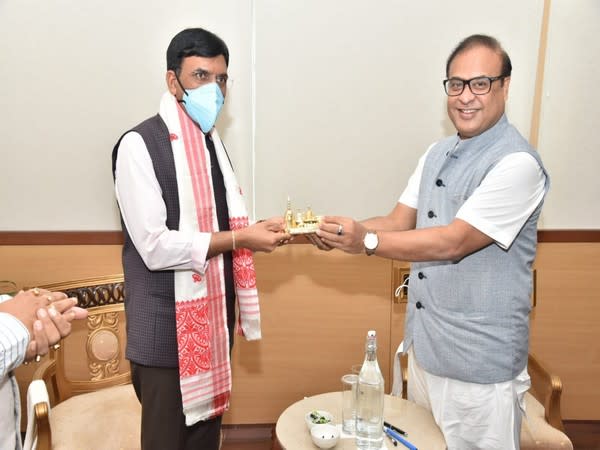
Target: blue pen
(397, 437)
(392, 440)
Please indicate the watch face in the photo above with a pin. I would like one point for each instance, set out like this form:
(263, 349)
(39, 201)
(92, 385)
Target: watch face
(371, 241)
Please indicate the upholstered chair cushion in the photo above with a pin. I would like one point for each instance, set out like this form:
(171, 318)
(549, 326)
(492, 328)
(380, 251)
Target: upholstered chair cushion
(106, 419)
(536, 433)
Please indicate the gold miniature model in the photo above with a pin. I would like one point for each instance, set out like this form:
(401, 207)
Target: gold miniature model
(301, 222)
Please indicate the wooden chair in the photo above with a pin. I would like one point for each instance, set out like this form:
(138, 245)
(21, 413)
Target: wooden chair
(92, 402)
(542, 428)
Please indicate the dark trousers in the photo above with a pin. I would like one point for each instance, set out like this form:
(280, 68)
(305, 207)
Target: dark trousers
(163, 422)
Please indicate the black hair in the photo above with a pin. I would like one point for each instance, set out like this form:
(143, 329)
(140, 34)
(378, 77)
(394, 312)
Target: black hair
(476, 40)
(194, 42)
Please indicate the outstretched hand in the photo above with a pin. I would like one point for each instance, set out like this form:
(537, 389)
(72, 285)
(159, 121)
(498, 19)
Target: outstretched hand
(343, 233)
(264, 236)
(315, 240)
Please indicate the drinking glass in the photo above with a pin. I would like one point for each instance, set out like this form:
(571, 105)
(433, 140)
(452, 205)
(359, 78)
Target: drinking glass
(349, 383)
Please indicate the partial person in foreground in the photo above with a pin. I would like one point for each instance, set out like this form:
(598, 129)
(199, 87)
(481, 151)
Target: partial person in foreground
(187, 254)
(30, 322)
(467, 221)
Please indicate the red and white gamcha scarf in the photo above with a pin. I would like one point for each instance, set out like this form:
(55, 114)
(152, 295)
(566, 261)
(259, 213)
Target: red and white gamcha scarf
(202, 334)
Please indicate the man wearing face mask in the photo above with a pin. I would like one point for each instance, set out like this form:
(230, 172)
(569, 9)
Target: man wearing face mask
(187, 253)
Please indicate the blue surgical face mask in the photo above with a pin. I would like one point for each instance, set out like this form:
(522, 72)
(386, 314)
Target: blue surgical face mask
(203, 104)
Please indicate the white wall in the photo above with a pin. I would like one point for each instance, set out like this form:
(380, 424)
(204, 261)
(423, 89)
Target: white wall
(74, 76)
(571, 115)
(347, 94)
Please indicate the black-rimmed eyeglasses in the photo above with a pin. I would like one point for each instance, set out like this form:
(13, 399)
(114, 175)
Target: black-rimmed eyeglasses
(478, 85)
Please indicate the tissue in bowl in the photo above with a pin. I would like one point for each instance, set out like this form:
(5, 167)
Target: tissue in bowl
(317, 417)
(325, 435)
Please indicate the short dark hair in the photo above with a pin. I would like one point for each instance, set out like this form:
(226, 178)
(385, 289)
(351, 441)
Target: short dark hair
(194, 42)
(483, 40)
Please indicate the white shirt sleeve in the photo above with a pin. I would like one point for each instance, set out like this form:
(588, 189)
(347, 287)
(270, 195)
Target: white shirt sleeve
(410, 196)
(507, 196)
(501, 205)
(145, 214)
(14, 338)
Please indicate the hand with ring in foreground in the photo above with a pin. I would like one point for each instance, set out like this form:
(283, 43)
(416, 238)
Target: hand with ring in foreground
(47, 316)
(53, 324)
(342, 233)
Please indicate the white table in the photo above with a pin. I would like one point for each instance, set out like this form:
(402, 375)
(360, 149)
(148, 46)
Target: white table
(292, 433)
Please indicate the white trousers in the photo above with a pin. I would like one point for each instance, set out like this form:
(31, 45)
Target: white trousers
(471, 416)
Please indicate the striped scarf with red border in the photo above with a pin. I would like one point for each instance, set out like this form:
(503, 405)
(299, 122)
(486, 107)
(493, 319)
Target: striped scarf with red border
(202, 334)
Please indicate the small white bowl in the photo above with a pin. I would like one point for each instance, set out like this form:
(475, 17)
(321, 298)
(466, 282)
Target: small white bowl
(310, 422)
(325, 435)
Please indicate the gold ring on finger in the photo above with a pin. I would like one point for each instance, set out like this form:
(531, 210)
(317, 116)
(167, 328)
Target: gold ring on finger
(38, 358)
(35, 291)
(56, 346)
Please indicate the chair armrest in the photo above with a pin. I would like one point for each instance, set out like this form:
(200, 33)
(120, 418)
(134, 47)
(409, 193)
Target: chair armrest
(547, 389)
(47, 373)
(38, 424)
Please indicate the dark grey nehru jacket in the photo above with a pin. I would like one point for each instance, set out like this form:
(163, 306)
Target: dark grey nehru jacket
(150, 295)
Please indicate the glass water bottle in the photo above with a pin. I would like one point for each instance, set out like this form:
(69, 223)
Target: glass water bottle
(369, 399)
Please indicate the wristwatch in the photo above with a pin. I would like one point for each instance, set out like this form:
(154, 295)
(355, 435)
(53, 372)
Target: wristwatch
(371, 241)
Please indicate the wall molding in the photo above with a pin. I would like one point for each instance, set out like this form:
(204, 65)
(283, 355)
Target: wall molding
(61, 237)
(569, 235)
(116, 238)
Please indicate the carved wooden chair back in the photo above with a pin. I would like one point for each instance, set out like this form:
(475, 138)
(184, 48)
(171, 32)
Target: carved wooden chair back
(92, 357)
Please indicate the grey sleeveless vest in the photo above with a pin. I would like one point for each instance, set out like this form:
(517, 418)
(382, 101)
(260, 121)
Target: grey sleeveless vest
(469, 319)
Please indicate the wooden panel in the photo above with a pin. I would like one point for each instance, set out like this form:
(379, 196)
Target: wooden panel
(316, 310)
(314, 304)
(564, 325)
(32, 265)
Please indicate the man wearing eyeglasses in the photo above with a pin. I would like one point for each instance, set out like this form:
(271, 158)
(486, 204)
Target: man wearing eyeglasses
(468, 223)
(187, 253)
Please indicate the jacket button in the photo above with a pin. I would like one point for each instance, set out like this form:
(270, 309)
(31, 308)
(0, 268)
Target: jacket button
(439, 182)
(419, 305)
(431, 214)
(421, 275)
